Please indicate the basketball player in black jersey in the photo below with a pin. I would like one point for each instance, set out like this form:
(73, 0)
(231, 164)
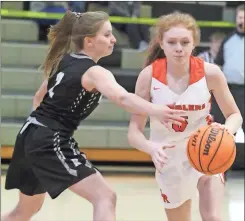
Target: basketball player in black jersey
(46, 157)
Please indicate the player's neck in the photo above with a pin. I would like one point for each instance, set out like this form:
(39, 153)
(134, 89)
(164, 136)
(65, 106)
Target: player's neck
(178, 70)
(91, 54)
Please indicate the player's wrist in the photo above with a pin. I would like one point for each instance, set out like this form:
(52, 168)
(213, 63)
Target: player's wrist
(229, 130)
(155, 110)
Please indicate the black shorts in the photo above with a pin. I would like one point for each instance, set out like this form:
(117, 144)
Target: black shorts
(45, 160)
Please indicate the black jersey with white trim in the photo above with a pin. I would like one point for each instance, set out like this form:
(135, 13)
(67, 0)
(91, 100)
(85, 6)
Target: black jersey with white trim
(66, 102)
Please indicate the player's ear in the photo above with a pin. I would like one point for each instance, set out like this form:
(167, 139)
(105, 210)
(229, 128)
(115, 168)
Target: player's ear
(88, 41)
(160, 42)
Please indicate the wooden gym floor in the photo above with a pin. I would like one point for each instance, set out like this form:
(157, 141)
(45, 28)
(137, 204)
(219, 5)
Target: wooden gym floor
(138, 200)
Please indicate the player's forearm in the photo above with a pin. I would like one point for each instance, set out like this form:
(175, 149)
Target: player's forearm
(234, 122)
(138, 105)
(137, 140)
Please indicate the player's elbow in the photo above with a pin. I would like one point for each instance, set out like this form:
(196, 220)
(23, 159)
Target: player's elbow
(122, 99)
(133, 132)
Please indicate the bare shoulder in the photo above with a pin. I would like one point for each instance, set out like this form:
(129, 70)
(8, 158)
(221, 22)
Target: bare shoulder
(214, 75)
(94, 75)
(97, 69)
(143, 83)
(212, 70)
(146, 72)
(145, 76)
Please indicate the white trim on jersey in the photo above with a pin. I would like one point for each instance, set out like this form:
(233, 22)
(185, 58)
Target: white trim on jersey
(79, 56)
(31, 120)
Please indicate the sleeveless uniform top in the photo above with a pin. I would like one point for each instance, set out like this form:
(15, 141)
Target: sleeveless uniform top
(67, 103)
(195, 100)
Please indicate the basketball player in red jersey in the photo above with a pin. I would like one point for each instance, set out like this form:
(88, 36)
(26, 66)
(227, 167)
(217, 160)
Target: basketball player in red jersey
(174, 77)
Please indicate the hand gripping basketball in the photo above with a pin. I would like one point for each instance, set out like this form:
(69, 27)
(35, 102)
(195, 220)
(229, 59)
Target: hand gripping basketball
(222, 126)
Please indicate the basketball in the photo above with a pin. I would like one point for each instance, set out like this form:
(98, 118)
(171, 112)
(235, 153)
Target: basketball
(211, 150)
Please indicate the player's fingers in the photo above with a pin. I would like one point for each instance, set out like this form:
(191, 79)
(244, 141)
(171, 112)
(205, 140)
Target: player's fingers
(158, 169)
(162, 156)
(166, 124)
(176, 112)
(157, 166)
(162, 165)
(175, 118)
(222, 126)
(158, 159)
(165, 158)
(168, 146)
(173, 121)
(217, 124)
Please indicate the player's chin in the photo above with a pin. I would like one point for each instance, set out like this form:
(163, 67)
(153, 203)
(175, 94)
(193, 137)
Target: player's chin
(181, 60)
(109, 51)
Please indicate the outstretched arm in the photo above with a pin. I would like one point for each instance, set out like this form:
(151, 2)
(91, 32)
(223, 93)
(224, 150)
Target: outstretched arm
(104, 81)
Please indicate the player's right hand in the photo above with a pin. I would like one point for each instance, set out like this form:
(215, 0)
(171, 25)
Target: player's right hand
(159, 156)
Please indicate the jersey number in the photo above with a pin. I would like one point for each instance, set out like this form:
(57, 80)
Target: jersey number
(58, 80)
(180, 128)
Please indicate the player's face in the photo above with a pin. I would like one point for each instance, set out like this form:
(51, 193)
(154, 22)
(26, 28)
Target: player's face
(178, 44)
(103, 42)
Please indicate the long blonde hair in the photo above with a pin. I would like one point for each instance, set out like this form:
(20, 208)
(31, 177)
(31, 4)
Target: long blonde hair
(69, 33)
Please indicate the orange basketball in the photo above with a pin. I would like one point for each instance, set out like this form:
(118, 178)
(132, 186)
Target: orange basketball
(211, 150)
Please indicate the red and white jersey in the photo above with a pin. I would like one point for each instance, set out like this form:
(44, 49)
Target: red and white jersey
(195, 100)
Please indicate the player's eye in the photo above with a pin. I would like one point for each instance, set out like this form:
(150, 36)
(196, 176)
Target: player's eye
(107, 35)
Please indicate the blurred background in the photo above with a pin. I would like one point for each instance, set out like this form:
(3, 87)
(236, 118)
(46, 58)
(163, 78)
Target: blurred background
(103, 136)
